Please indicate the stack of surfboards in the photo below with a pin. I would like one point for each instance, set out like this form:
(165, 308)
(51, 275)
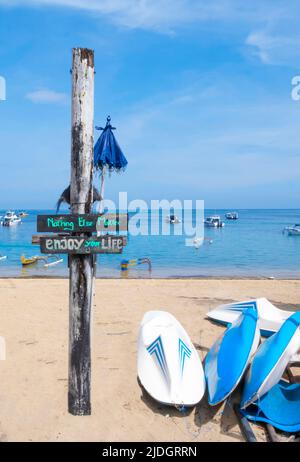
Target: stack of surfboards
(170, 370)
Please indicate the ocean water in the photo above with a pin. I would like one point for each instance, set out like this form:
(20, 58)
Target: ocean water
(252, 246)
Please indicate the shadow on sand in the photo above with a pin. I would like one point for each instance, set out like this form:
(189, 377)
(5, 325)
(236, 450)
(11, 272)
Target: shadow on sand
(206, 417)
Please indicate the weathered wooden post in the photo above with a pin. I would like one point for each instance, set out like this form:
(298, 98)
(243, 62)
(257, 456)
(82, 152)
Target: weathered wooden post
(75, 232)
(81, 266)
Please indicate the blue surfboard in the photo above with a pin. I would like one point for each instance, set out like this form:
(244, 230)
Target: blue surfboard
(229, 357)
(271, 360)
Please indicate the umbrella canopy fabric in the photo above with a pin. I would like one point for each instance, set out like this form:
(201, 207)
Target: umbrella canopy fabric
(107, 152)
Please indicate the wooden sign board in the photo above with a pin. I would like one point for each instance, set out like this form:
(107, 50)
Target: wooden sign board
(81, 245)
(36, 238)
(85, 223)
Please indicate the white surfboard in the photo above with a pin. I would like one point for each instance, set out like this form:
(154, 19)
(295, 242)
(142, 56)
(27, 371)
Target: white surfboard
(270, 318)
(169, 367)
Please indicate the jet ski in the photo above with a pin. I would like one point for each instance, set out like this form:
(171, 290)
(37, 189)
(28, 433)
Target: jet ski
(266, 397)
(229, 357)
(169, 367)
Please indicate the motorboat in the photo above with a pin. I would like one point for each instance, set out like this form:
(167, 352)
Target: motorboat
(23, 214)
(232, 215)
(214, 221)
(293, 230)
(173, 219)
(10, 219)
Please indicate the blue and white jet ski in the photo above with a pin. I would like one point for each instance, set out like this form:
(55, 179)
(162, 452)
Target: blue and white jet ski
(266, 397)
(229, 357)
(169, 367)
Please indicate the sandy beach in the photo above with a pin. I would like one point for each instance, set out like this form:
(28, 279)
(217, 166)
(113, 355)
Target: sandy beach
(33, 385)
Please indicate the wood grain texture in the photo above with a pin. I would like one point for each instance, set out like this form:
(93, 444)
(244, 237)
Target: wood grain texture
(81, 245)
(81, 266)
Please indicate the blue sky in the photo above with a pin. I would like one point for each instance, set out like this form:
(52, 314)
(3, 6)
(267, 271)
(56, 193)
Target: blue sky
(200, 93)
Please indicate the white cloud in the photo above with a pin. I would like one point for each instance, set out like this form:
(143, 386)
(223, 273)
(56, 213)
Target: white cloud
(161, 15)
(46, 96)
(275, 49)
(268, 28)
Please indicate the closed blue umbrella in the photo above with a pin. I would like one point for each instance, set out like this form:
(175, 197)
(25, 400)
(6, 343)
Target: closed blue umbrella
(108, 155)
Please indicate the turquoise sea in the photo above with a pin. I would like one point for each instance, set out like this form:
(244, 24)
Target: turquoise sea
(252, 246)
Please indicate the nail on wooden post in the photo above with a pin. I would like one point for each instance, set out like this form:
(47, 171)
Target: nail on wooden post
(81, 266)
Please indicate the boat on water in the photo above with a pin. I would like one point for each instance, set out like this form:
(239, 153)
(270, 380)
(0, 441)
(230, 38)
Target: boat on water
(10, 219)
(293, 230)
(23, 214)
(173, 219)
(30, 261)
(214, 221)
(49, 260)
(232, 215)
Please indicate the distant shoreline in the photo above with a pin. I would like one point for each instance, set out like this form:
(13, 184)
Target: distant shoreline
(162, 278)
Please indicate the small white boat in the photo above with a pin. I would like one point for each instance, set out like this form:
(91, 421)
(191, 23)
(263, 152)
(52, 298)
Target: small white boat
(173, 219)
(10, 219)
(232, 215)
(3, 257)
(214, 221)
(293, 230)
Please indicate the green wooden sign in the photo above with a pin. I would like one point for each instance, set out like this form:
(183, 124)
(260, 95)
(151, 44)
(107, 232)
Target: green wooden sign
(85, 223)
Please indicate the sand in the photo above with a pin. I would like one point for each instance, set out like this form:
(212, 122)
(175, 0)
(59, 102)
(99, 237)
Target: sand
(33, 378)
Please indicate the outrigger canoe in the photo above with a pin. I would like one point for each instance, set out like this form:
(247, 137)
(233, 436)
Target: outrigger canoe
(30, 260)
